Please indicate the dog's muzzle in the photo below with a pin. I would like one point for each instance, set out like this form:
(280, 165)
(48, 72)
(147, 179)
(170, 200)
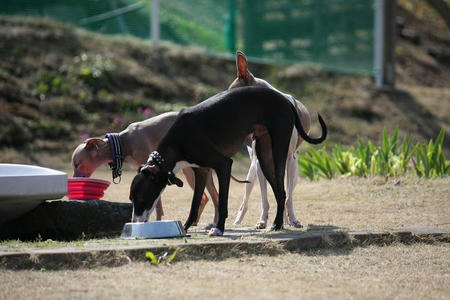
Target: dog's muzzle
(142, 218)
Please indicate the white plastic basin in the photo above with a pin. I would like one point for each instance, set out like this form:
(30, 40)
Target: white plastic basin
(23, 187)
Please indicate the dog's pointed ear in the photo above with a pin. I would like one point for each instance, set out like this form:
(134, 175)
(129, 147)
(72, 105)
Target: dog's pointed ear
(242, 69)
(241, 64)
(174, 180)
(94, 143)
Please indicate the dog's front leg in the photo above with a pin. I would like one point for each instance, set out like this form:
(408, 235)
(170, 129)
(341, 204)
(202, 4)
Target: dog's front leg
(190, 178)
(200, 182)
(223, 172)
(159, 209)
(214, 198)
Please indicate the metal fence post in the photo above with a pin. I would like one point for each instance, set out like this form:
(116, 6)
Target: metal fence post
(384, 59)
(230, 27)
(154, 22)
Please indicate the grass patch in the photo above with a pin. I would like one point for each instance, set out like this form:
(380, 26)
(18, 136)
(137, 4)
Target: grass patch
(415, 271)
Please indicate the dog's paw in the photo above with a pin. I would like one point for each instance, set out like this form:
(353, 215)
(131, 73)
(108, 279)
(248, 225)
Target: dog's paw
(215, 232)
(276, 228)
(296, 224)
(209, 226)
(261, 225)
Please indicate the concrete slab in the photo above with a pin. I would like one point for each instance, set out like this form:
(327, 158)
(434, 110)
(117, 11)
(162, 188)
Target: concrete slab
(193, 249)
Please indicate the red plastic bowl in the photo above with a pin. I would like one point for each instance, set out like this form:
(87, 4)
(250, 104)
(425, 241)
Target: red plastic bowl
(84, 188)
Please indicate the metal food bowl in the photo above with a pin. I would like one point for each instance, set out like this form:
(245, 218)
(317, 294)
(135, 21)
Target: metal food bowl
(153, 230)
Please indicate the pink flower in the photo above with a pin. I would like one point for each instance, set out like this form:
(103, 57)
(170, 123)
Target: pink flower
(147, 111)
(140, 110)
(117, 120)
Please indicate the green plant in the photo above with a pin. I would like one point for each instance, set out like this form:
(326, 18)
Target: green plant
(322, 163)
(164, 258)
(430, 161)
(50, 83)
(307, 168)
(351, 161)
(388, 158)
(93, 70)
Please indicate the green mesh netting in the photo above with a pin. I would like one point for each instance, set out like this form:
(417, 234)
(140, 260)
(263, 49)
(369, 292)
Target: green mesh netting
(335, 34)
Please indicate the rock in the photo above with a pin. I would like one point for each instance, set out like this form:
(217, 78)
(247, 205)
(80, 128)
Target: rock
(69, 220)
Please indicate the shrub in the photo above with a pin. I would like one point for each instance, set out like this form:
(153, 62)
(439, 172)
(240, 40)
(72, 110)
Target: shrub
(15, 131)
(429, 161)
(63, 109)
(388, 158)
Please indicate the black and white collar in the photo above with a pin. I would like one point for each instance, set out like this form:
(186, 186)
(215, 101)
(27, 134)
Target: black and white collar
(117, 152)
(155, 159)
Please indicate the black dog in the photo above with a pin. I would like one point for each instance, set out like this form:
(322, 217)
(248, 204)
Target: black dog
(208, 134)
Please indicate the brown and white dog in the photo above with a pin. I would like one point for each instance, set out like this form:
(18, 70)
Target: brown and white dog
(246, 78)
(138, 140)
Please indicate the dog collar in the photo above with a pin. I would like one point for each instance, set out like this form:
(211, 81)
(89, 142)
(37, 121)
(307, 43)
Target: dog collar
(117, 151)
(155, 159)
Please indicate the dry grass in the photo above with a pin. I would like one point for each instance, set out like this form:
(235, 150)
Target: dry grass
(351, 204)
(348, 204)
(397, 271)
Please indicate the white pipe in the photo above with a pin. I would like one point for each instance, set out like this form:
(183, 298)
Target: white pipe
(154, 21)
(111, 14)
(379, 42)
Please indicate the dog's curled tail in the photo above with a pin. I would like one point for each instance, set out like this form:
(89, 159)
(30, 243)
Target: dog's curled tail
(239, 181)
(304, 135)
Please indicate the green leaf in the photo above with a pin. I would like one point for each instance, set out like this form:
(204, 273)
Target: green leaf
(172, 257)
(151, 257)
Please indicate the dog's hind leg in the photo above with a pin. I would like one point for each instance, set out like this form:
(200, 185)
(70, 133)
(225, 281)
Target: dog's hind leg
(279, 149)
(200, 182)
(263, 149)
(291, 179)
(262, 223)
(255, 169)
(272, 153)
(248, 188)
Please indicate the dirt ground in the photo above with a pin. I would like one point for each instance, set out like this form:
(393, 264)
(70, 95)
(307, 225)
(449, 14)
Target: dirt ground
(345, 204)
(398, 271)
(341, 204)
